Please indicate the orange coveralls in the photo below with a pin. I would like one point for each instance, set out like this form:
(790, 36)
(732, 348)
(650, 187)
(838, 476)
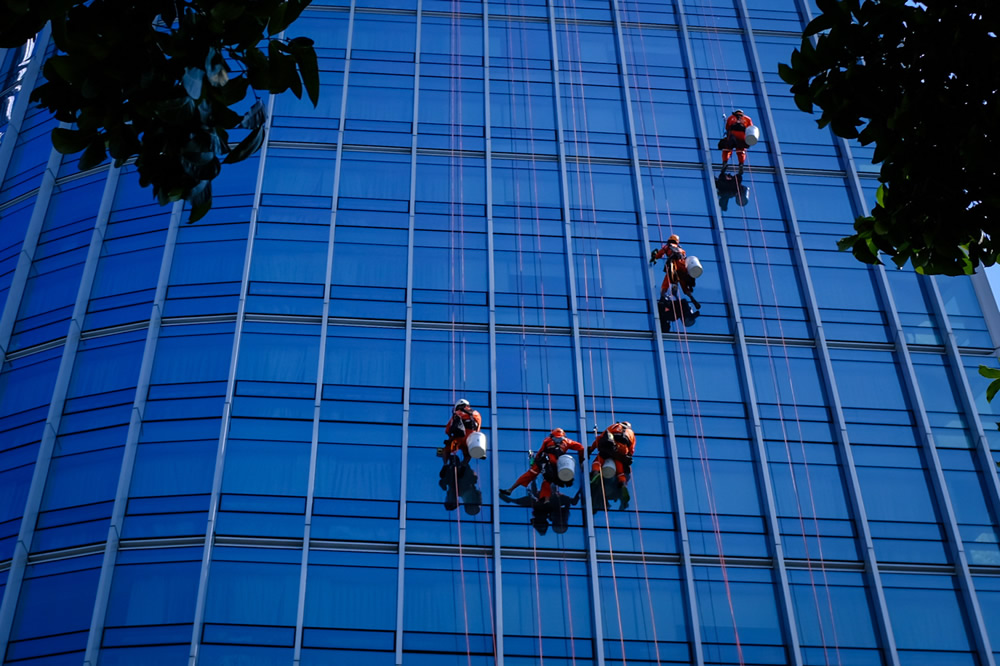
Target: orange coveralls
(736, 135)
(549, 452)
(674, 269)
(614, 451)
(471, 419)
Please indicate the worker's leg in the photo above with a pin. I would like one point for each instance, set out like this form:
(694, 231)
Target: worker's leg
(595, 469)
(545, 492)
(527, 477)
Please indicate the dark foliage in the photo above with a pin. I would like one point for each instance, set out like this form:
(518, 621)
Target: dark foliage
(158, 80)
(918, 80)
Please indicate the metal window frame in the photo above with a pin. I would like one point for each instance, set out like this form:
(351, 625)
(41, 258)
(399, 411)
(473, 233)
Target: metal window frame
(591, 540)
(98, 617)
(939, 488)
(220, 457)
(673, 457)
(785, 606)
(40, 473)
(323, 342)
(408, 338)
(848, 467)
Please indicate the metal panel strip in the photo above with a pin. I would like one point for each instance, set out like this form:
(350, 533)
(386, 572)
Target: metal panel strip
(47, 446)
(213, 508)
(595, 585)
(131, 444)
(785, 605)
(323, 341)
(673, 458)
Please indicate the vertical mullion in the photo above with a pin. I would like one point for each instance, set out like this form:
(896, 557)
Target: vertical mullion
(39, 477)
(131, 444)
(982, 444)
(595, 587)
(497, 609)
(785, 605)
(323, 341)
(673, 460)
(408, 342)
(826, 364)
(220, 457)
(938, 485)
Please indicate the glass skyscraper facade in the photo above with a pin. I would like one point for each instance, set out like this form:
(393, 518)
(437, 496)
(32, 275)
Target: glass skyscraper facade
(217, 440)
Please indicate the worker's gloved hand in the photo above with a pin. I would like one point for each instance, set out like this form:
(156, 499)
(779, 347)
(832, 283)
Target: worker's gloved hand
(652, 257)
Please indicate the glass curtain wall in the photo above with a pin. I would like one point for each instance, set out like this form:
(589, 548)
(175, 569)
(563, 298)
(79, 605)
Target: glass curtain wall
(219, 442)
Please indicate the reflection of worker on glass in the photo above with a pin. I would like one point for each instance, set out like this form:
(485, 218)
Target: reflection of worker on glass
(731, 187)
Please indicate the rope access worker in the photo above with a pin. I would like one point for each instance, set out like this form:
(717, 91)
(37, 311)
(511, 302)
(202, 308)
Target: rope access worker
(616, 443)
(675, 272)
(464, 421)
(735, 139)
(545, 463)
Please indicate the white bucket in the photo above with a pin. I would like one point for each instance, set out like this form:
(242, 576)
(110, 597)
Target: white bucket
(608, 469)
(566, 467)
(694, 267)
(752, 135)
(477, 445)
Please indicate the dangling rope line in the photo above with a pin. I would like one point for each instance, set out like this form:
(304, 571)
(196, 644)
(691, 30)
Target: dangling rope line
(801, 439)
(596, 254)
(781, 418)
(686, 354)
(645, 569)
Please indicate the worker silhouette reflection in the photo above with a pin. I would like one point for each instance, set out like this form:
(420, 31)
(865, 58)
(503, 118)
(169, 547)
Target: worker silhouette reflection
(731, 186)
(460, 482)
(552, 512)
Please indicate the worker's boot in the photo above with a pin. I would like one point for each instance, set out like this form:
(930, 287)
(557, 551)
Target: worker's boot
(725, 166)
(625, 496)
(739, 172)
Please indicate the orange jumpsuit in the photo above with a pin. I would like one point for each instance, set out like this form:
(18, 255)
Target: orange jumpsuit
(471, 420)
(674, 269)
(623, 445)
(549, 453)
(736, 137)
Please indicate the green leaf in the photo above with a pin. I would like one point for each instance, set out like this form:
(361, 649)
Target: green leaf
(68, 141)
(988, 372)
(247, 147)
(277, 22)
(992, 389)
(880, 195)
(847, 243)
(818, 24)
(215, 69)
(192, 80)
(255, 117)
(201, 200)
(302, 50)
(228, 11)
(94, 155)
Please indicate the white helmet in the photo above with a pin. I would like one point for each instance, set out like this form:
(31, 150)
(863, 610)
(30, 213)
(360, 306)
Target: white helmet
(461, 403)
(626, 424)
